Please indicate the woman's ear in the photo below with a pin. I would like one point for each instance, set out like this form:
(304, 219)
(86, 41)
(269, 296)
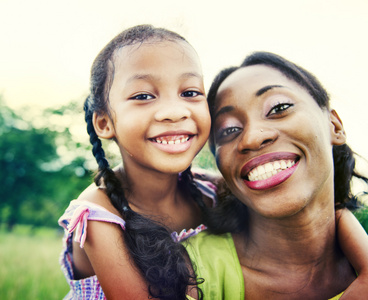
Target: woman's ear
(103, 126)
(338, 136)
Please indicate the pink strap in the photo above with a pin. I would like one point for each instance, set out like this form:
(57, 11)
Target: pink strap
(79, 224)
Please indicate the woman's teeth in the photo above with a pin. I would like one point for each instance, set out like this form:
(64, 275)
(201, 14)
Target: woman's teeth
(269, 169)
(171, 141)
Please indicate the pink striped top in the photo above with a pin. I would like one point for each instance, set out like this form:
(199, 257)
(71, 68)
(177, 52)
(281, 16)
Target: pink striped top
(74, 221)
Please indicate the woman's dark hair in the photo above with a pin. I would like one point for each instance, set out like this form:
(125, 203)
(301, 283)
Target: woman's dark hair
(155, 254)
(343, 156)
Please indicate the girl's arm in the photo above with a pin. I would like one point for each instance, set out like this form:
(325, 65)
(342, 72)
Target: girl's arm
(108, 255)
(111, 262)
(353, 241)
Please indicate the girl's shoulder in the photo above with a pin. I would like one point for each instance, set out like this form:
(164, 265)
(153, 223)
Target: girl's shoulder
(92, 205)
(97, 195)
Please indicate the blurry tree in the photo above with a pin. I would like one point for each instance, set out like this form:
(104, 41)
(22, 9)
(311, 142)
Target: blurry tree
(23, 151)
(41, 168)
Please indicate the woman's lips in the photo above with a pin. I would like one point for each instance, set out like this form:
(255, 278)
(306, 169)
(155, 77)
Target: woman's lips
(269, 170)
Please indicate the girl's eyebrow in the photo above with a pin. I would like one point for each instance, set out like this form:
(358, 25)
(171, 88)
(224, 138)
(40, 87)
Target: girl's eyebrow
(141, 77)
(191, 74)
(150, 77)
(267, 88)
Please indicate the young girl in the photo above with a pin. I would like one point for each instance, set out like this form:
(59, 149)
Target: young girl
(147, 95)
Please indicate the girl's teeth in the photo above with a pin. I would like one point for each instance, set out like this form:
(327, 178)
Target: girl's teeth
(171, 142)
(269, 169)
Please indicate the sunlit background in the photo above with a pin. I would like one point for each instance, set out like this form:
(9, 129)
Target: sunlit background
(47, 48)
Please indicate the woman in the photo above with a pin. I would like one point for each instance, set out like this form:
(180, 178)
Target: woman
(282, 152)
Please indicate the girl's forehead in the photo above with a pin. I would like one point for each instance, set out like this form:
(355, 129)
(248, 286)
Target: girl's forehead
(161, 47)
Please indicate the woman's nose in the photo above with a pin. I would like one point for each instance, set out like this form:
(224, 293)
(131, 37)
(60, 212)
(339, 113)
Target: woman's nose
(172, 111)
(256, 137)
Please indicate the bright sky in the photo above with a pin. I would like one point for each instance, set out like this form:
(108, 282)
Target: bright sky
(47, 47)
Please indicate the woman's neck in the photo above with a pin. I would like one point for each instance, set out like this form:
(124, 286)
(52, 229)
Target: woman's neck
(294, 255)
(300, 239)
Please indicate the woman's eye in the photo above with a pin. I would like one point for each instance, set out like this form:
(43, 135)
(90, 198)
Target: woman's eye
(228, 132)
(279, 108)
(190, 94)
(142, 97)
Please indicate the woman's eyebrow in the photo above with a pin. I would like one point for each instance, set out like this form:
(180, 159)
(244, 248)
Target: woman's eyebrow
(224, 110)
(267, 88)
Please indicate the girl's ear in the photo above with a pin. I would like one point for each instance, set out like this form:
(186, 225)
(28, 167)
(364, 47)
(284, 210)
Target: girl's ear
(103, 126)
(338, 136)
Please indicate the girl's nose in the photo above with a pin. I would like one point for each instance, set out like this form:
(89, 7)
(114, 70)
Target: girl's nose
(172, 111)
(257, 137)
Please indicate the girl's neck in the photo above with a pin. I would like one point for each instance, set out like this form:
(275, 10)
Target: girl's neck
(148, 191)
(160, 197)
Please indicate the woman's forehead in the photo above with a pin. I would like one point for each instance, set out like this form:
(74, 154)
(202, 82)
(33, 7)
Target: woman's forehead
(251, 79)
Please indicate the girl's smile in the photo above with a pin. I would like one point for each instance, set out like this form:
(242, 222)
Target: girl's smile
(173, 142)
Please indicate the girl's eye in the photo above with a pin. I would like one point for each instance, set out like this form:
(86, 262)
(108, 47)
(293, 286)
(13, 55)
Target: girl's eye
(190, 94)
(142, 97)
(279, 109)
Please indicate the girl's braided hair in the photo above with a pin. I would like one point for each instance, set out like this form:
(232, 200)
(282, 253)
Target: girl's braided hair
(343, 156)
(154, 252)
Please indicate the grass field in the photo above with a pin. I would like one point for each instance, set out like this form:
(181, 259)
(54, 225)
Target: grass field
(29, 265)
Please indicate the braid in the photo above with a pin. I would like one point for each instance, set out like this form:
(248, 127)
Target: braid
(112, 184)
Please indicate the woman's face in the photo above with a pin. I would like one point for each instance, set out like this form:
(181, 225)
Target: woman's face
(273, 142)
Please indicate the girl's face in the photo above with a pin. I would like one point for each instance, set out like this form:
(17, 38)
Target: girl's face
(158, 106)
(273, 142)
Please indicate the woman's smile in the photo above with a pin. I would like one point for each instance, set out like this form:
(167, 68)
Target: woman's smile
(269, 170)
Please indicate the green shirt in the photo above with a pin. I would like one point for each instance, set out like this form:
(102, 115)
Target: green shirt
(216, 261)
(221, 269)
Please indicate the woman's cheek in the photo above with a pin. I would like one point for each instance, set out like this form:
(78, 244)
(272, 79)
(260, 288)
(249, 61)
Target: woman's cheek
(222, 160)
